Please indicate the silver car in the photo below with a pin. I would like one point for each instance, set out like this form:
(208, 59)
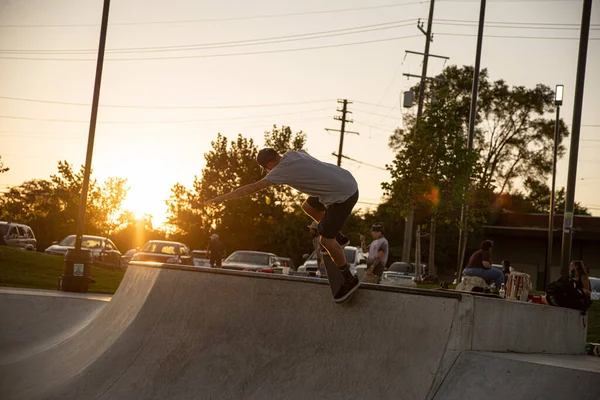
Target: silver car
(354, 256)
(256, 261)
(17, 235)
(103, 249)
(595, 288)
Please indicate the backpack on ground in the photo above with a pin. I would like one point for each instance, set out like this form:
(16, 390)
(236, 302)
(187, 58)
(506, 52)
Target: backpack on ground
(567, 293)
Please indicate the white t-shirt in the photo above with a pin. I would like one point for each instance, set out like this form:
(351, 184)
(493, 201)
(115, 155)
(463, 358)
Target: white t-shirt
(374, 247)
(329, 183)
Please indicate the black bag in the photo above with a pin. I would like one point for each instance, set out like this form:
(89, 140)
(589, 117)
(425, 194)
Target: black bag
(567, 293)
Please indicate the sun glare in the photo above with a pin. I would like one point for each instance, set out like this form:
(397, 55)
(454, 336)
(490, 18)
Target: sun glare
(143, 200)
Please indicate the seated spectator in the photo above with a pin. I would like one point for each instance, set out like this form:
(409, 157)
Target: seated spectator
(480, 264)
(572, 291)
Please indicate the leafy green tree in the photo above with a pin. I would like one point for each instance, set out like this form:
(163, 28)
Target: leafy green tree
(513, 139)
(51, 207)
(513, 135)
(432, 168)
(270, 220)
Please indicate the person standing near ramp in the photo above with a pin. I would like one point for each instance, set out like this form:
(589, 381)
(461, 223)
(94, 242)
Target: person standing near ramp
(215, 251)
(332, 192)
(378, 254)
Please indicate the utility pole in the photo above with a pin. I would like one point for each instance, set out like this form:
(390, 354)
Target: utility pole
(565, 258)
(77, 270)
(463, 234)
(410, 218)
(342, 130)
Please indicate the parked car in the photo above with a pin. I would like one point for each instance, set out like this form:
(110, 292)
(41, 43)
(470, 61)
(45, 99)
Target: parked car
(125, 258)
(104, 251)
(595, 288)
(354, 256)
(164, 252)
(200, 259)
(17, 235)
(287, 263)
(399, 274)
(256, 261)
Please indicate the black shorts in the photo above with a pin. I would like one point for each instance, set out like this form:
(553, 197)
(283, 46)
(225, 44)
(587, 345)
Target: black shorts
(335, 215)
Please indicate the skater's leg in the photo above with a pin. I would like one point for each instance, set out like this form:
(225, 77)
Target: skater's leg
(336, 252)
(330, 226)
(314, 209)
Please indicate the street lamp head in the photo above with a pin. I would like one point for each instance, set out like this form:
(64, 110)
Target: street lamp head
(558, 95)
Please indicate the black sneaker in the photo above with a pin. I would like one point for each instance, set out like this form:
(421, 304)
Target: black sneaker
(342, 240)
(348, 287)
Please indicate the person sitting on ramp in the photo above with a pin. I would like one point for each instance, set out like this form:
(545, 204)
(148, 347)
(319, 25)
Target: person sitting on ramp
(332, 192)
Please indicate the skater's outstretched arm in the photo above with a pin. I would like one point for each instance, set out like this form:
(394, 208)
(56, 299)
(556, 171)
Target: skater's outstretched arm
(242, 191)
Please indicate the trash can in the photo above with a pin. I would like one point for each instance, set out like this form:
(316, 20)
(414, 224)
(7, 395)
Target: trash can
(77, 272)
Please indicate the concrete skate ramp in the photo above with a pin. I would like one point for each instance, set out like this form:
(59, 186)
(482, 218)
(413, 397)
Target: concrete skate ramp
(498, 376)
(35, 320)
(196, 333)
(183, 334)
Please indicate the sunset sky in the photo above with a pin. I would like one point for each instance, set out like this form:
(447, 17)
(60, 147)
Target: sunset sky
(179, 72)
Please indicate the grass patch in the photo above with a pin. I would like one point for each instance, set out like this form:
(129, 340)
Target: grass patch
(27, 269)
(593, 333)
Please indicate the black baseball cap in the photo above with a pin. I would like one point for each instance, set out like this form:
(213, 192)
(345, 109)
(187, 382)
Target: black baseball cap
(377, 227)
(265, 156)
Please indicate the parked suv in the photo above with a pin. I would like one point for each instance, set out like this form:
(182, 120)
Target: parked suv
(354, 256)
(17, 235)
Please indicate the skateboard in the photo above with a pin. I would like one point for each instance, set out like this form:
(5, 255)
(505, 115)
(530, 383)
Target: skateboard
(334, 276)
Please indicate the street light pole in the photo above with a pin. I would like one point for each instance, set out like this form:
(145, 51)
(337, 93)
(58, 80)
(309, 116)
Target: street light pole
(463, 232)
(558, 99)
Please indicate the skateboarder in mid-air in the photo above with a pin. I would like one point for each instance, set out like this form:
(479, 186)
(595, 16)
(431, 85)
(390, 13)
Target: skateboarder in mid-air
(332, 192)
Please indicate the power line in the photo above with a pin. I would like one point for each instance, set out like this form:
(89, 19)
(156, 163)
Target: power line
(372, 104)
(168, 107)
(267, 16)
(360, 162)
(379, 115)
(163, 121)
(514, 37)
(234, 43)
(218, 55)
(273, 40)
(540, 27)
(55, 135)
(576, 25)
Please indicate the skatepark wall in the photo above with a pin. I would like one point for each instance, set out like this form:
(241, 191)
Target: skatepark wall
(195, 333)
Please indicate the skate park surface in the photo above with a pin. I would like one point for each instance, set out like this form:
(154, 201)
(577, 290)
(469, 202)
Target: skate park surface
(198, 333)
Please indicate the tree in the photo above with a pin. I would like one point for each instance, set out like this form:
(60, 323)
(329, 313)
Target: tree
(3, 169)
(51, 207)
(269, 220)
(513, 136)
(432, 167)
(538, 199)
(135, 232)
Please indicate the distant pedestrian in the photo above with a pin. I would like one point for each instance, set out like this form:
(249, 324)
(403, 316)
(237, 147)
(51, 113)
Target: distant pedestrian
(480, 264)
(215, 251)
(378, 254)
